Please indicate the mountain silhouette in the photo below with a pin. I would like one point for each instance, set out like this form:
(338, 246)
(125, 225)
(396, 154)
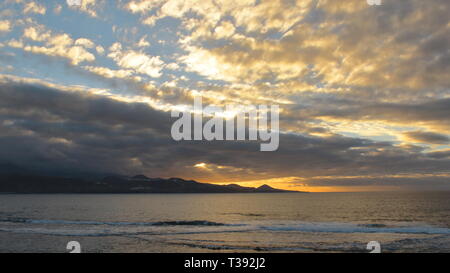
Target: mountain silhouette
(31, 183)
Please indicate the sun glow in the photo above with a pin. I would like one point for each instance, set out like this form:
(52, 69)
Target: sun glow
(200, 165)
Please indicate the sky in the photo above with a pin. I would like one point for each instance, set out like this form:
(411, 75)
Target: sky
(363, 90)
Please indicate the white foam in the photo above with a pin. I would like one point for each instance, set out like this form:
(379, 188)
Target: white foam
(190, 227)
(330, 227)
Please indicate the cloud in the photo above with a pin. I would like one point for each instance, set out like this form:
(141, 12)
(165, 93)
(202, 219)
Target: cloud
(100, 50)
(151, 20)
(72, 129)
(59, 127)
(143, 42)
(75, 54)
(140, 6)
(341, 46)
(90, 7)
(85, 42)
(57, 45)
(5, 26)
(109, 73)
(224, 30)
(38, 33)
(363, 90)
(435, 112)
(33, 7)
(173, 66)
(440, 154)
(138, 61)
(15, 43)
(427, 137)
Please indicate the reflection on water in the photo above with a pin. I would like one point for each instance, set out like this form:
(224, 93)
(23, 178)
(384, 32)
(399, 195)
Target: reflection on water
(288, 222)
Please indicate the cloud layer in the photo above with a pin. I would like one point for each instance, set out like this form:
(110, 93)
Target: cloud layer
(363, 90)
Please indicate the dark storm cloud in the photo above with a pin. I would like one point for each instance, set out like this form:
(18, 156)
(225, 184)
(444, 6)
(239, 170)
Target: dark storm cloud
(431, 111)
(56, 130)
(440, 154)
(45, 127)
(427, 137)
(44, 101)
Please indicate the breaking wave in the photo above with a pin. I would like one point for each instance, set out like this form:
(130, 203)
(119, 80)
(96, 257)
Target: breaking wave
(92, 228)
(68, 222)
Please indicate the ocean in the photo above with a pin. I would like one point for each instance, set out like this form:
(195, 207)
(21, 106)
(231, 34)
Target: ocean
(257, 223)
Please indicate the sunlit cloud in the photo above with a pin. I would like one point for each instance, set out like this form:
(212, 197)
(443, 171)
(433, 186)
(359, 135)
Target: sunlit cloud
(363, 91)
(34, 7)
(5, 26)
(139, 62)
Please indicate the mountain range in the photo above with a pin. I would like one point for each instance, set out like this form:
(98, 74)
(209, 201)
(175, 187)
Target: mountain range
(32, 183)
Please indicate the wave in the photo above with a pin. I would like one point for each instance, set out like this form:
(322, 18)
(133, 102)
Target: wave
(245, 214)
(202, 226)
(326, 227)
(199, 244)
(95, 223)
